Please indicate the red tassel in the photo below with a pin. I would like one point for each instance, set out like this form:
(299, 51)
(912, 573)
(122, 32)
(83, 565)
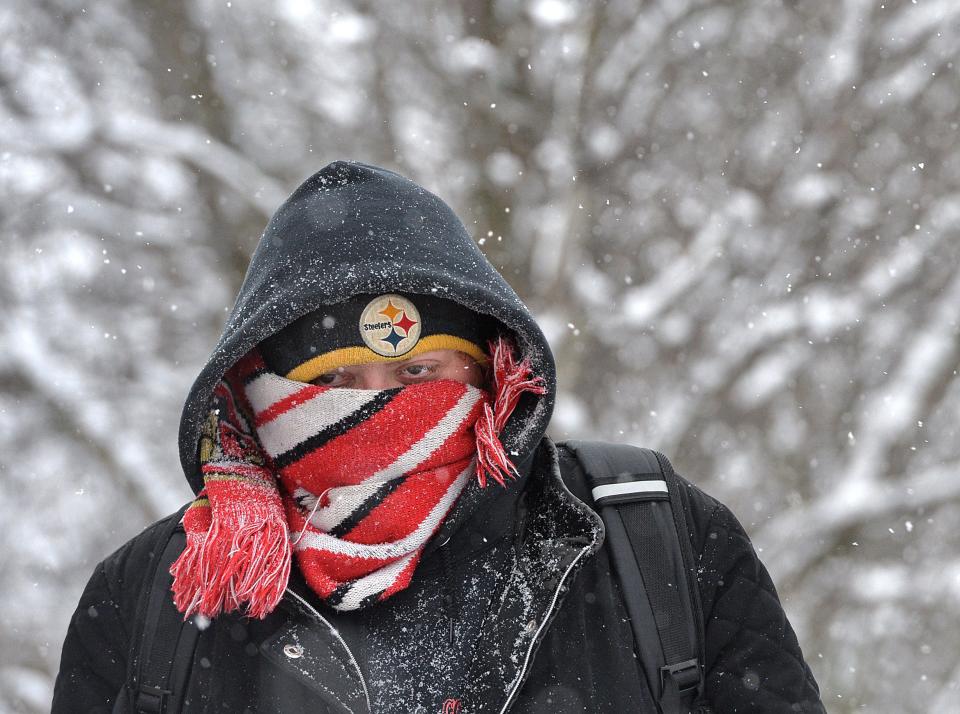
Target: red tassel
(238, 552)
(511, 379)
(238, 555)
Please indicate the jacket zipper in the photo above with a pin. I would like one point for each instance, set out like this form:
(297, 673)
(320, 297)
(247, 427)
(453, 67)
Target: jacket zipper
(336, 633)
(539, 633)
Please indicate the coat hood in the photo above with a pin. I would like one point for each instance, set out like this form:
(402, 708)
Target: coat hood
(350, 229)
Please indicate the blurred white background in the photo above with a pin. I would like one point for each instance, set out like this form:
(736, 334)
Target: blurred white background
(739, 223)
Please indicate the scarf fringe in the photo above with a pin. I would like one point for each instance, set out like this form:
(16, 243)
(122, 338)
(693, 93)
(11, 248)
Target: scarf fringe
(511, 379)
(240, 561)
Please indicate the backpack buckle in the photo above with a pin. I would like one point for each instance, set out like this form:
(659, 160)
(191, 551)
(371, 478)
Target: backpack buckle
(683, 677)
(151, 699)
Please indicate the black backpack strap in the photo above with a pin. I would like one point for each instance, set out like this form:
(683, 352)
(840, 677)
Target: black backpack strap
(637, 493)
(162, 652)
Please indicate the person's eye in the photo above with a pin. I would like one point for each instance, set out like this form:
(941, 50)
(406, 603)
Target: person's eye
(338, 378)
(417, 371)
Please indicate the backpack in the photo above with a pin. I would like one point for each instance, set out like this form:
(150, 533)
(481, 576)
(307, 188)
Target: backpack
(637, 494)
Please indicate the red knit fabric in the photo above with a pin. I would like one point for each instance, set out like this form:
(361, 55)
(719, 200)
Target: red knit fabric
(238, 551)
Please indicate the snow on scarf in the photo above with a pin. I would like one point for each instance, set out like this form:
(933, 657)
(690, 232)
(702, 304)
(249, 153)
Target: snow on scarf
(355, 482)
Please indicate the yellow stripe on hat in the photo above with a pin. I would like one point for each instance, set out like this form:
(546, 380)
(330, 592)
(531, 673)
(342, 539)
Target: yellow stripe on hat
(347, 356)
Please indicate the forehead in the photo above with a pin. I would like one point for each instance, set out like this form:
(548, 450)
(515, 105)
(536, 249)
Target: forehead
(440, 355)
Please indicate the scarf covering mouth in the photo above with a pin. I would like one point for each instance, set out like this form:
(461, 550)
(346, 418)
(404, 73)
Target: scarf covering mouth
(354, 482)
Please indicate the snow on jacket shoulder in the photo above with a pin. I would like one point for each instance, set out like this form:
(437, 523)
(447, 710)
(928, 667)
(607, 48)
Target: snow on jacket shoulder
(753, 659)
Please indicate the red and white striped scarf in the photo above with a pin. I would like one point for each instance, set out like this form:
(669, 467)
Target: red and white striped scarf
(368, 475)
(353, 481)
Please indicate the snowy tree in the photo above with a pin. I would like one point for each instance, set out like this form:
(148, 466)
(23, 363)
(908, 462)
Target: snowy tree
(737, 222)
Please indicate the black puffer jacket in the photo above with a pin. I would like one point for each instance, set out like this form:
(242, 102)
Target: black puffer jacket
(513, 607)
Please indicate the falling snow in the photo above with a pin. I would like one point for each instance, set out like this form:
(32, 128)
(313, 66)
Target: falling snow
(737, 227)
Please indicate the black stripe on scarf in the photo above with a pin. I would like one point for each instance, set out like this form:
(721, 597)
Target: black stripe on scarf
(351, 421)
(340, 592)
(363, 510)
(370, 599)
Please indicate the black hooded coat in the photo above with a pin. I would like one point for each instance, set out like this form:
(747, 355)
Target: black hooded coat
(514, 606)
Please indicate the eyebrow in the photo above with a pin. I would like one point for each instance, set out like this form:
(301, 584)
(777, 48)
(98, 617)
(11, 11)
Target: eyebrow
(420, 356)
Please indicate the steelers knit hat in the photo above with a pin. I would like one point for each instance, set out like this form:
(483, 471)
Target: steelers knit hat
(375, 328)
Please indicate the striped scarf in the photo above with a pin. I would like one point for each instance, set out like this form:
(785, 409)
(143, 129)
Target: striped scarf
(351, 482)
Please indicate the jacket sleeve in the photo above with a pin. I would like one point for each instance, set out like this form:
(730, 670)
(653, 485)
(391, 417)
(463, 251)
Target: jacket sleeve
(753, 659)
(93, 665)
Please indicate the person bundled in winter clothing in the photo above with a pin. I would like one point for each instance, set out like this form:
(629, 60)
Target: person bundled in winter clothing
(381, 524)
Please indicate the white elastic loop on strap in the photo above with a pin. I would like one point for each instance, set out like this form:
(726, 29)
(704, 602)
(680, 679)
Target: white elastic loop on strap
(619, 489)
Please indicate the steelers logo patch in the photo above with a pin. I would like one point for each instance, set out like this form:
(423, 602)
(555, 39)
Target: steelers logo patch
(390, 325)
